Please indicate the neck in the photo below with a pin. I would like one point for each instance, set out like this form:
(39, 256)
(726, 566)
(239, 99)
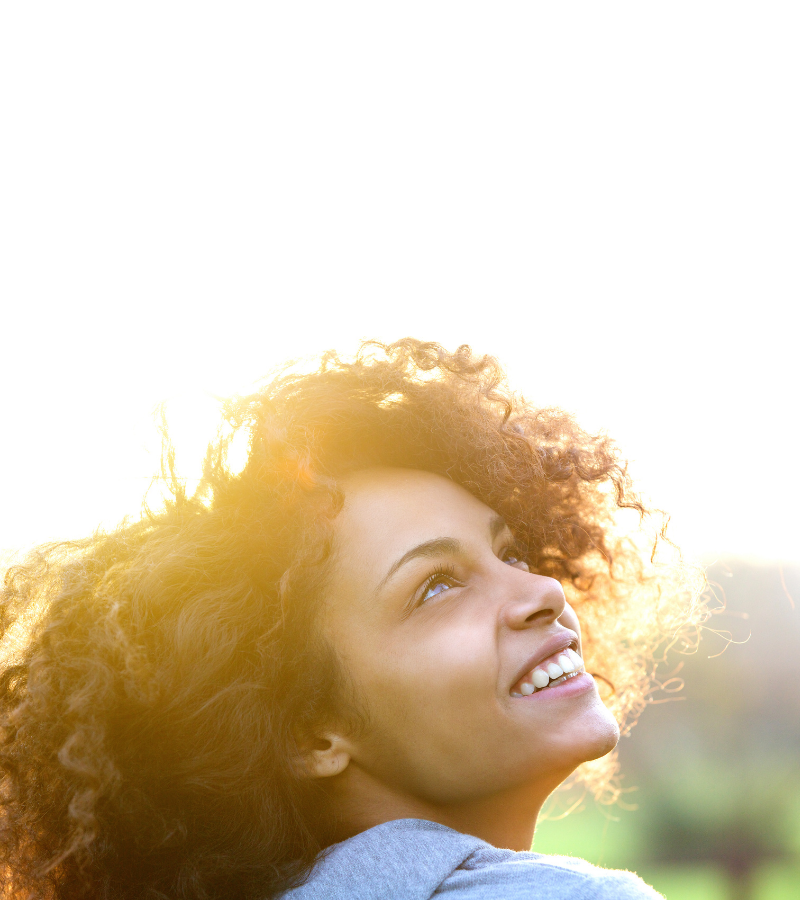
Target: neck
(504, 819)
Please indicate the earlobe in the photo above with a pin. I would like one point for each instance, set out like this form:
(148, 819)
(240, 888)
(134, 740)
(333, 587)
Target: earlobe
(329, 756)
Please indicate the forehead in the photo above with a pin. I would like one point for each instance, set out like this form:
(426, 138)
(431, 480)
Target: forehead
(389, 511)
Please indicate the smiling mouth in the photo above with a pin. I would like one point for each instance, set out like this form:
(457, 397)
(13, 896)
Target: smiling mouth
(554, 671)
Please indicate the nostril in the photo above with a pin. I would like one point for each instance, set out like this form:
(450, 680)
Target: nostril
(541, 614)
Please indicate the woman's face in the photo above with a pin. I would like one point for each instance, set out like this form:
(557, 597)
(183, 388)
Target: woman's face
(438, 621)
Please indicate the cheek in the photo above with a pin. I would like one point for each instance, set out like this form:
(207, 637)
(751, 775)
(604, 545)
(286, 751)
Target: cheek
(430, 677)
(430, 694)
(433, 732)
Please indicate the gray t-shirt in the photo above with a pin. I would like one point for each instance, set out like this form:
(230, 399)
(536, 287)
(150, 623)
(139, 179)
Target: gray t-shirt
(412, 859)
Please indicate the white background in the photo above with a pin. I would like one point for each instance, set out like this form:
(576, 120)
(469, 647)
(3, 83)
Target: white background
(604, 195)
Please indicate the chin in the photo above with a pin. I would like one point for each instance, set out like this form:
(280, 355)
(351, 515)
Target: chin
(603, 735)
(604, 743)
(596, 736)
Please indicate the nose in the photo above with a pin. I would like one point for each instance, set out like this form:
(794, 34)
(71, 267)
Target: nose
(534, 599)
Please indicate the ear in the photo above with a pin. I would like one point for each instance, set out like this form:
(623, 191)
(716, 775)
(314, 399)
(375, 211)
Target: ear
(327, 755)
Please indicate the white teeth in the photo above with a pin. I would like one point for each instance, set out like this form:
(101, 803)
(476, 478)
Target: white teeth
(569, 664)
(554, 671)
(540, 678)
(574, 657)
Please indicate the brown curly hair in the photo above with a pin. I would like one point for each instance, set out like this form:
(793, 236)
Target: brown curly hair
(156, 679)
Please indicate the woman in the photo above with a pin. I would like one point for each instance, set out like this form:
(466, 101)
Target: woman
(352, 669)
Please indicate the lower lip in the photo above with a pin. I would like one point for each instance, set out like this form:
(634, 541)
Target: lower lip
(569, 688)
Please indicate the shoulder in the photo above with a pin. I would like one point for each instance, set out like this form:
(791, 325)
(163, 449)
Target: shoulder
(492, 873)
(407, 858)
(419, 860)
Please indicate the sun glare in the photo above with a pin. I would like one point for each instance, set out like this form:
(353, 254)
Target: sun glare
(618, 229)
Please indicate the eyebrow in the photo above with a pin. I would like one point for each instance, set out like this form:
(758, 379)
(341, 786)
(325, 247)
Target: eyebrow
(438, 547)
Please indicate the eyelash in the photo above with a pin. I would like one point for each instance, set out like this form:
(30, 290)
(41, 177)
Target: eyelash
(440, 574)
(447, 573)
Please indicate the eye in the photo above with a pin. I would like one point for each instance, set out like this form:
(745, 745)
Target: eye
(437, 583)
(511, 557)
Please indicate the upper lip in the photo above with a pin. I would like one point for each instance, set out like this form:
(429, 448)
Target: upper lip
(556, 644)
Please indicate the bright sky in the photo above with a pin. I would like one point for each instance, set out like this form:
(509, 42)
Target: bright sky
(605, 196)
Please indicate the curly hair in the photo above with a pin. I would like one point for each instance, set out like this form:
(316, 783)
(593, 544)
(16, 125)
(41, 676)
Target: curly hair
(156, 679)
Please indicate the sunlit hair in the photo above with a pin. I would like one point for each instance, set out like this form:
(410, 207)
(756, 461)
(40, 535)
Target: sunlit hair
(157, 679)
